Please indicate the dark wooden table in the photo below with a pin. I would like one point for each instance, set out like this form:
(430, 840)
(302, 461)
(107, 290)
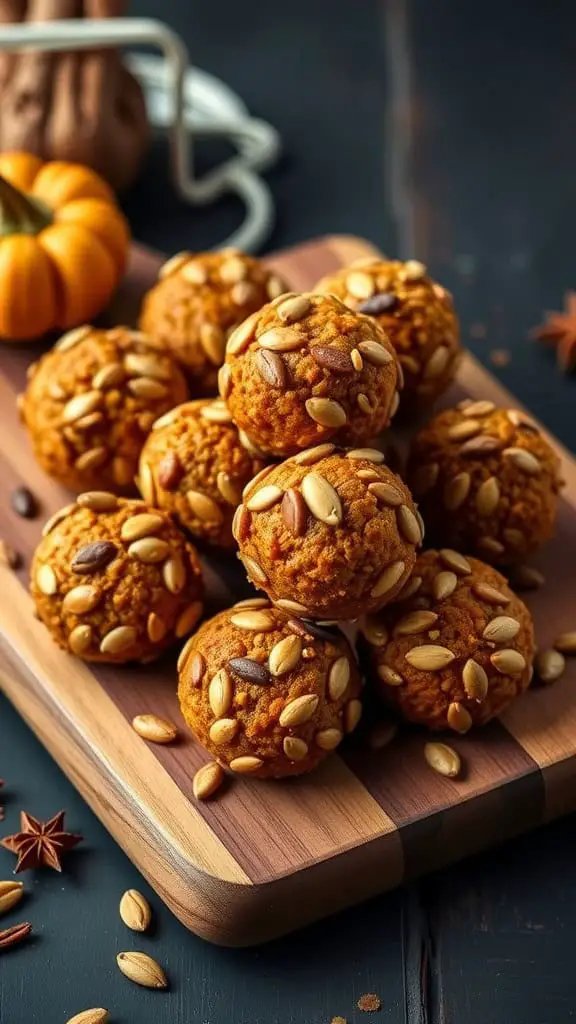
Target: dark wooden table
(443, 130)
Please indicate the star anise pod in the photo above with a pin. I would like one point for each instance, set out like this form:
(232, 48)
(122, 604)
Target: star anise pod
(559, 330)
(40, 843)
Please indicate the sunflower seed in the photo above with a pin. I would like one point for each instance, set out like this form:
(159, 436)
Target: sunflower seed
(410, 364)
(436, 364)
(412, 587)
(149, 550)
(523, 460)
(188, 619)
(271, 368)
(87, 422)
(265, 498)
(281, 339)
(299, 710)
(389, 675)
(220, 693)
(414, 270)
(487, 496)
(360, 285)
(375, 353)
(256, 480)
(241, 524)
(46, 580)
(363, 403)
(147, 365)
(142, 970)
(429, 657)
(216, 412)
(254, 569)
(293, 309)
(240, 339)
(275, 287)
(251, 671)
(322, 499)
(228, 489)
(293, 607)
(489, 594)
(368, 454)
(255, 621)
(311, 455)
(501, 629)
(96, 1015)
(213, 343)
(147, 388)
(10, 894)
(135, 910)
(80, 600)
(485, 444)
(294, 512)
(443, 759)
(474, 680)
(386, 493)
(508, 661)
(204, 507)
(467, 428)
(425, 478)
(566, 642)
(224, 381)
(352, 715)
(58, 516)
(328, 739)
(207, 780)
(519, 419)
(454, 560)
(395, 404)
(285, 655)
(72, 338)
(459, 718)
(444, 584)
(514, 538)
(146, 483)
(371, 476)
(142, 525)
(155, 628)
(118, 640)
(491, 545)
(295, 749)
(196, 667)
(356, 360)
(174, 574)
(481, 408)
(550, 665)
(388, 579)
(525, 577)
(80, 639)
(408, 525)
(24, 503)
(338, 678)
(91, 459)
(326, 412)
(245, 765)
(415, 622)
(223, 730)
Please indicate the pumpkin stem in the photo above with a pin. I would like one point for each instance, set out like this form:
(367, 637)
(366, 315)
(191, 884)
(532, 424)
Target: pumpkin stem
(20, 214)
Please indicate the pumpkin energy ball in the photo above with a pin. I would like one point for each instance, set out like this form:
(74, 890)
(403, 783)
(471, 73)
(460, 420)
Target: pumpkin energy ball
(194, 465)
(457, 649)
(91, 401)
(304, 370)
(329, 534)
(266, 694)
(115, 580)
(487, 480)
(416, 314)
(198, 300)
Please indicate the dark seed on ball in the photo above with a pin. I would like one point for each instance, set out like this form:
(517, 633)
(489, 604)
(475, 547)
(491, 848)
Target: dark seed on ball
(169, 471)
(24, 503)
(271, 368)
(294, 512)
(330, 358)
(306, 627)
(251, 671)
(382, 302)
(94, 557)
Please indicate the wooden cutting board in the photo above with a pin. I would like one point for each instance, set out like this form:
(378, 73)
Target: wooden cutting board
(265, 857)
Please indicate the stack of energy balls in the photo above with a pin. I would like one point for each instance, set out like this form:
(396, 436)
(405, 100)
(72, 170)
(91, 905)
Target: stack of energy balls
(286, 465)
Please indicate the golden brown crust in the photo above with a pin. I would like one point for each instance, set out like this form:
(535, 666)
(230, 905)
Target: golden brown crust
(331, 534)
(115, 580)
(199, 468)
(198, 300)
(323, 373)
(258, 719)
(416, 314)
(487, 480)
(91, 401)
(469, 689)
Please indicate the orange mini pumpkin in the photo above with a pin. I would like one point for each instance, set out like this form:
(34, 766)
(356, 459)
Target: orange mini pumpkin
(63, 245)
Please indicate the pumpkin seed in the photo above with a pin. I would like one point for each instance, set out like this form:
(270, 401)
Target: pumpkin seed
(96, 1015)
(271, 368)
(566, 642)
(204, 507)
(414, 270)
(523, 460)
(216, 412)
(291, 606)
(253, 568)
(188, 619)
(91, 459)
(294, 512)
(156, 628)
(489, 594)
(223, 730)
(299, 710)
(311, 455)
(81, 405)
(485, 444)
(322, 499)
(72, 338)
(525, 577)
(251, 671)
(415, 622)
(197, 665)
(220, 693)
(514, 538)
(118, 640)
(474, 680)
(436, 364)
(252, 602)
(356, 360)
(481, 408)
(46, 580)
(395, 404)
(459, 718)
(295, 749)
(501, 629)
(275, 287)
(326, 412)
(142, 970)
(338, 678)
(550, 665)
(368, 454)
(142, 525)
(328, 739)
(174, 574)
(425, 478)
(58, 516)
(281, 339)
(80, 639)
(285, 655)
(375, 353)
(245, 765)
(443, 759)
(146, 483)
(294, 308)
(265, 498)
(388, 579)
(491, 545)
(256, 621)
(10, 894)
(360, 285)
(147, 388)
(467, 428)
(224, 381)
(508, 661)
(149, 550)
(408, 525)
(135, 911)
(444, 584)
(144, 364)
(256, 480)
(412, 587)
(80, 600)
(207, 780)
(240, 338)
(454, 560)
(228, 489)
(487, 496)
(241, 524)
(213, 343)
(429, 657)
(109, 376)
(389, 675)
(387, 493)
(352, 715)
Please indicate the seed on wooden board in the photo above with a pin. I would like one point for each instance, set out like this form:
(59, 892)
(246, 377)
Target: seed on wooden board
(501, 629)
(352, 715)
(444, 584)
(245, 765)
(285, 655)
(109, 376)
(72, 338)
(265, 498)
(336, 360)
(146, 483)
(17, 933)
(368, 454)
(488, 593)
(436, 364)
(474, 680)
(80, 599)
(154, 729)
(253, 620)
(10, 894)
(174, 574)
(459, 718)
(46, 580)
(220, 693)
(455, 561)
(356, 360)
(322, 499)
(467, 428)
(338, 678)
(523, 460)
(253, 568)
(119, 640)
(96, 1015)
(375, 353)
(250, 671)
(240, 338)
(487, 496)
(98, 501)
(294, 512)
(204, 507)
(326, 412)
(425, 478)
(508, 661)
(281, 339)
(271, 368)
(207, 780)
(299, 710)
(145, 364)
(142, 970)
(149, 550)
(216, 412)
(408, 525)
(386, 493)
(229, 490)
(443, 759)
(429, 657)
(293, 309)
(223, 730)
(389, 675)
(328, 739)
(80, 639)
(24, 503)
(566, 642)
(415, 622)
(311, 455)
(94, 557)
(135, 910)
(550, 665)
(388, 579)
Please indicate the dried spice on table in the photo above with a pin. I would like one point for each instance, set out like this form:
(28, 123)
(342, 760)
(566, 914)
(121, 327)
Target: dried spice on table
(40, 843)
(11, 936)
(559, 331)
